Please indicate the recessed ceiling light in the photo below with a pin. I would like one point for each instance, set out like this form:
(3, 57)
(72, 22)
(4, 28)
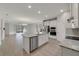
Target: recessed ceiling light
(46, 16)
(29, 6)
(39, 12)
(61, 10)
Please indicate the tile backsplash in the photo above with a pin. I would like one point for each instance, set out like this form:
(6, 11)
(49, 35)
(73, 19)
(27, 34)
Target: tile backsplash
(70, 31)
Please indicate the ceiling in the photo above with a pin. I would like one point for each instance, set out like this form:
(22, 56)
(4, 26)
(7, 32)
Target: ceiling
(19, 12)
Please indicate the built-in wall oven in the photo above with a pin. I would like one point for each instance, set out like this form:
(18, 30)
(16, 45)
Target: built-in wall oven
(52, 30)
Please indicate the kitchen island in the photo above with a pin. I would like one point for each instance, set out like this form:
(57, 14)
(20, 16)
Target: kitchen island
(32, 42)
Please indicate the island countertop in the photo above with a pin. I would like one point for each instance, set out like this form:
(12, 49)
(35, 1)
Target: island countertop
(31, 35)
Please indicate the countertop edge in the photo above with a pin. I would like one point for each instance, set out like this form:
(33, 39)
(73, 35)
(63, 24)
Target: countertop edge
(68, 46)
(33, 35)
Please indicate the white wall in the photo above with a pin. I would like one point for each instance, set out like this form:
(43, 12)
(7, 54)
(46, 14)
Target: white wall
(12, 29)
(61, 26)
(31, 29)
(0, 31)
(6, 29)
(2, 18)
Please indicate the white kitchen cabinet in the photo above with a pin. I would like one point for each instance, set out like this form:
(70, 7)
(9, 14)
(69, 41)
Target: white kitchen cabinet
(42, 39)
(74, 12)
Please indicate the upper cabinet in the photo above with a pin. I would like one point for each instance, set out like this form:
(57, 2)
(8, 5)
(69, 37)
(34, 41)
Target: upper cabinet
(73, 20)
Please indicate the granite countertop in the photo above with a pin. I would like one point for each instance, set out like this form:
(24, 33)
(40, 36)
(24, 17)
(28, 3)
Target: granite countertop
(74, 47)
(71, 42)
(31, 35)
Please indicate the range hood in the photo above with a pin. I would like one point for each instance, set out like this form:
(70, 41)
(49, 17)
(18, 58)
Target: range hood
(74, 15)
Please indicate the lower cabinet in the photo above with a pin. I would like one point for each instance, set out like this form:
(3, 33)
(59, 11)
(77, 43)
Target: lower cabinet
(69, 52)
(42, 39)
(31, 43)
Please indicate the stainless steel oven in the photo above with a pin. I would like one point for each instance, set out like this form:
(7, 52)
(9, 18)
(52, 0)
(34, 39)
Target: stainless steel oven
(52, 30)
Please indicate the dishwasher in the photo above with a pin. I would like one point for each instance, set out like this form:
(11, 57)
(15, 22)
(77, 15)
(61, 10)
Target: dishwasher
(33, 43)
